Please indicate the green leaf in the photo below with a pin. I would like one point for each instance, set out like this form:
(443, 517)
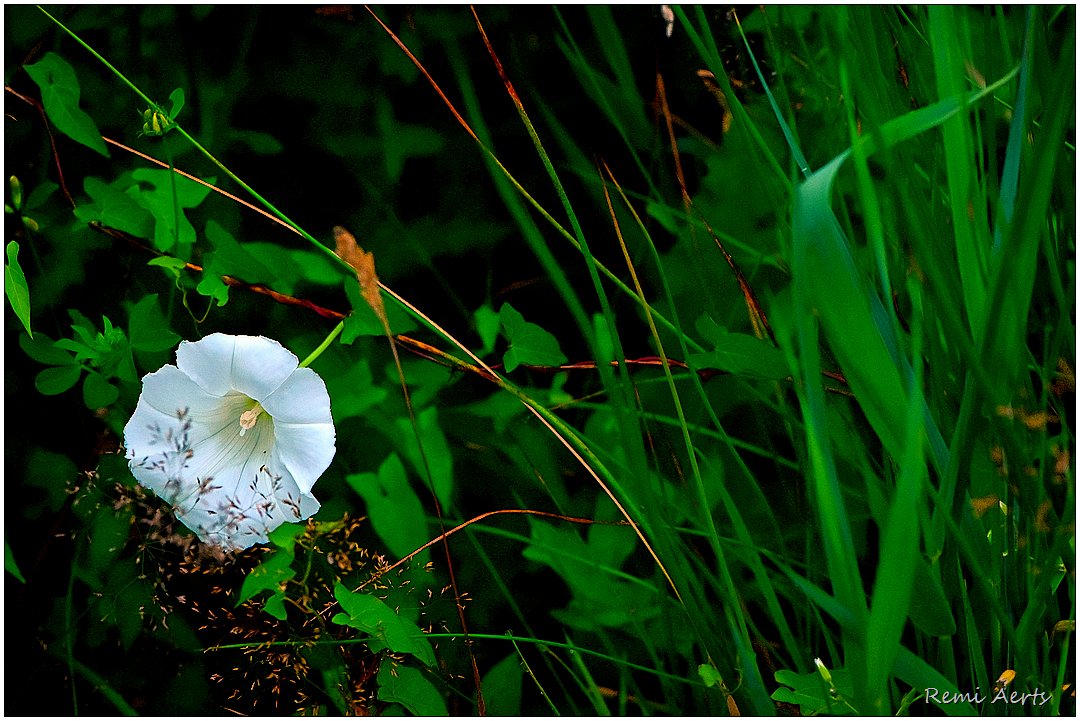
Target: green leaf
(529, 343)
(436, 451)
(812, 693)
(709, 675)
(176, 98)
(363, 321)
(53, 381)
(174, 265)
(270, 575)
(213, 287)
(257, 142)
(739, 353)
(228, 258)
(60, 96)
(352, 391)
(166, 199)
(9, 563)
(487, 327)
(109, 530)
(52, 475)
(502, 687)
(114, 208)
(18, 292)
(393, 506)
(147, 327)
(40, 194)
(285, 535)
(930, 610)
(98, 392)
(390, 631)
(411, 688)
(43, 349)
(602, 595)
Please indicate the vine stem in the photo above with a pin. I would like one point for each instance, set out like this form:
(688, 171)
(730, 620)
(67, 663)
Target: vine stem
(324, 345)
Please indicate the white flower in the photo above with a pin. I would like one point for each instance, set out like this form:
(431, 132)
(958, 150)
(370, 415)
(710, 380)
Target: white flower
(233, 437)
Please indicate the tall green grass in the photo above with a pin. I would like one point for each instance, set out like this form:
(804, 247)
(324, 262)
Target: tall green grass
(815, 446)
(911, 253)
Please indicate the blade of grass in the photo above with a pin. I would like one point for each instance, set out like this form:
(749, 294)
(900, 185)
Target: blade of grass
(705, 44)
(966, 202)
(785, 128)
(855, 320)
(750, 673)
(1012, 277)
(760, 575)
(899, 549)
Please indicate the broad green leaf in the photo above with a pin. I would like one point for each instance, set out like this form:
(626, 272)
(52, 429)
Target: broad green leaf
(60, 95)
(285, 535)
(436, 451)
(352, 390)
(257, 142)
(109, 530)
(393, 507)
(411, 688)
(176, 100)
(98, 392)
(168, 196)
(390, 631)
(402, 141)
(173, 265)
(709, 675)
(487, 327)
(930, 610)
(52, 474)
(812, 693)
(147, 328)
(292, 266)
(602, 594)
(82, 351)
(114, 208)
(363, 321)
(529, 343)
(270, 575)
(213, 287)
(40, 194)
(124, 600)
(43, 349)
(228, 258)
(9, 563)
(18, 293)
(502, 687)
(739, 353)
(53, 381)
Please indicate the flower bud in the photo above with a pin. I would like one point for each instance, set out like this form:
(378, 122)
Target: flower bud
(16, 192)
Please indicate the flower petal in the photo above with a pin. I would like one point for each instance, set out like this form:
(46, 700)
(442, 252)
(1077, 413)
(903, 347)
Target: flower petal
(302, 398)
(304, 450)
(170, 390)
(253, 365)
(246, 516)
(155, 444)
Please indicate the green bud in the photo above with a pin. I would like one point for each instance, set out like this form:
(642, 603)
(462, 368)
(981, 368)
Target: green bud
(16, 192)
(31, 224)
(824, 672)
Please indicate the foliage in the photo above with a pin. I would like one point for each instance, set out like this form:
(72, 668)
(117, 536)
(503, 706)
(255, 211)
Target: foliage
(716, 362)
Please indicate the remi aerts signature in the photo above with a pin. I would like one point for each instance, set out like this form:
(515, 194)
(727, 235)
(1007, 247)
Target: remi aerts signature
(1002, 695)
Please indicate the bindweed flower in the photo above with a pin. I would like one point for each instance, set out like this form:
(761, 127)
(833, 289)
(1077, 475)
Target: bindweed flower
(233, 437)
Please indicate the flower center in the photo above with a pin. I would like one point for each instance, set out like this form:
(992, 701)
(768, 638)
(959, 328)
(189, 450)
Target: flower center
(248, 418)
